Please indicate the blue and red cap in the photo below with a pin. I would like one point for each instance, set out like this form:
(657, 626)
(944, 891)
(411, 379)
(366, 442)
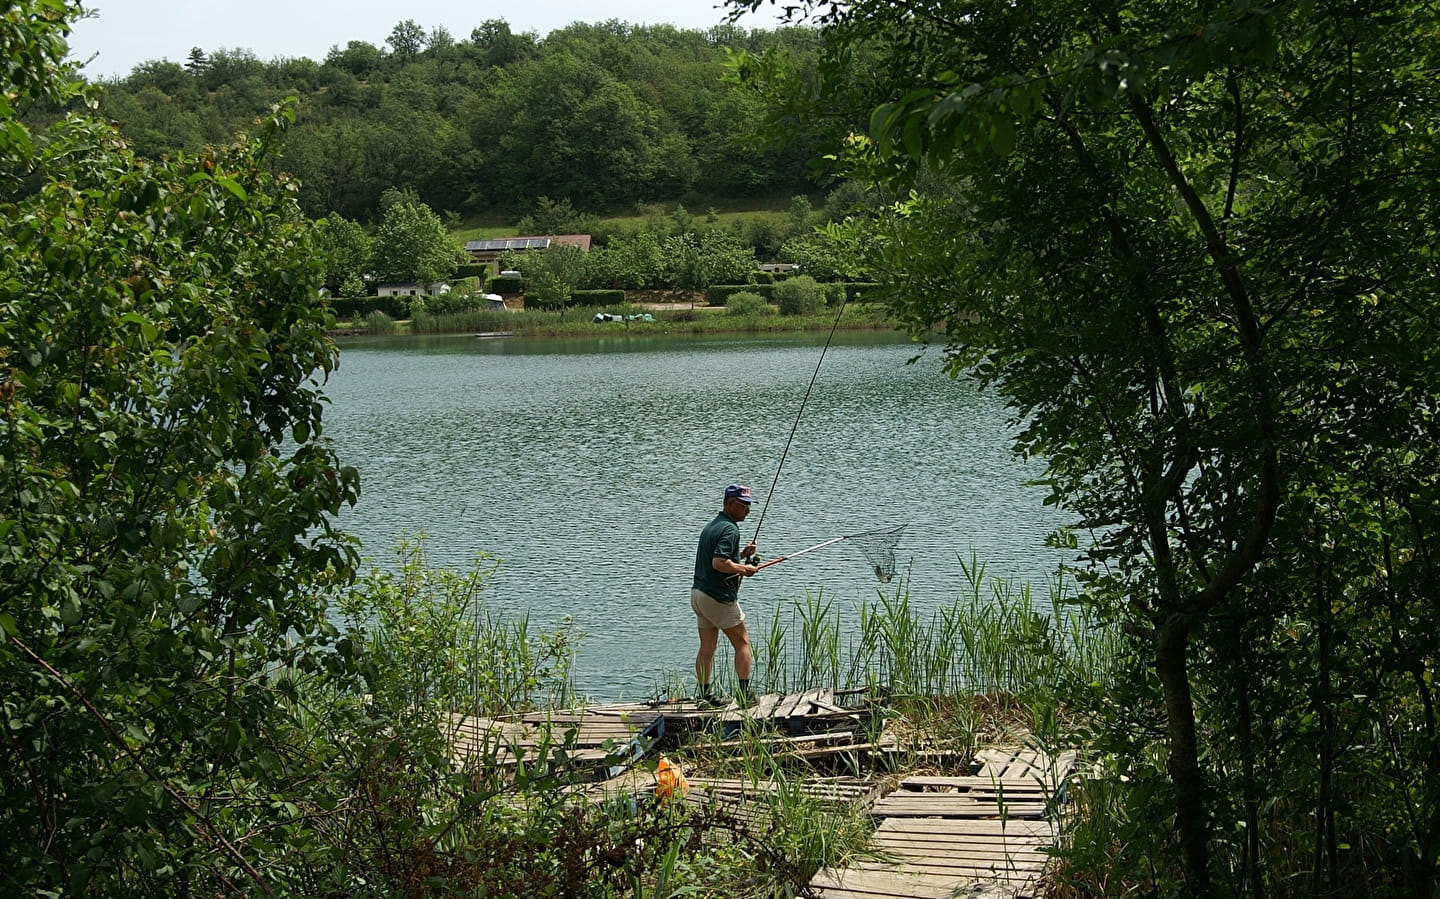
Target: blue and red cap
(740, 492)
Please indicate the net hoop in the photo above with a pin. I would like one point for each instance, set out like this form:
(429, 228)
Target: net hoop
(878, 547)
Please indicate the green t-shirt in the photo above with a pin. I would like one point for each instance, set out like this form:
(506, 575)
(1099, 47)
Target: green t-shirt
(719, 540)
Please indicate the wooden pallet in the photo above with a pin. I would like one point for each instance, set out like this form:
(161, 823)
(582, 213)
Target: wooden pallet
(1017, 763)
(597, 742)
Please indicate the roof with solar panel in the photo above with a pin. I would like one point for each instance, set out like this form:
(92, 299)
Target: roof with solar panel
(494, 246)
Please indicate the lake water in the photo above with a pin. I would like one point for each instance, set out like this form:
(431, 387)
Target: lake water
(588, 467)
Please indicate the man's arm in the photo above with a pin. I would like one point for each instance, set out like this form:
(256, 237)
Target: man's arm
(728, 566)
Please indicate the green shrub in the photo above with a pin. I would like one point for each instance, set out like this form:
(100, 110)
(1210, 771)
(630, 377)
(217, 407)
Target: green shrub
(446, 303)
(719, 294)
(748, 303)
(477, 270)
(763, 277)
(799, 295)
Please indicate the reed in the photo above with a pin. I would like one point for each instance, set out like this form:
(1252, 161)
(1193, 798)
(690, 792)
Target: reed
(379, 324)
(996, 640)
(472, 320)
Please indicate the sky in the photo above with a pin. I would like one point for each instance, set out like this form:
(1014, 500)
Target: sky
(124, 33)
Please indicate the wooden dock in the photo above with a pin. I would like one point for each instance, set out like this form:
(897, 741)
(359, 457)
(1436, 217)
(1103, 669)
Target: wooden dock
(986, 834)
(983, 834)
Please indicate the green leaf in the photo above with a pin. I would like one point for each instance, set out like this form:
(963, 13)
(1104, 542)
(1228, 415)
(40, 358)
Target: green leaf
(232, 185)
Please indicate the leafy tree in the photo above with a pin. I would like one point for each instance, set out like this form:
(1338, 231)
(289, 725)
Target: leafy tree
(330, 163)
(440, 39)
(236, 70)
(554, 274)
(629, 262)
(406, 40)
(696, 261)
(412, 245)
(800, 215)
(1193, 248)
(359, 58)
(500, 46)
(168, 78)
(560, 128)
(726, 259)
(345, 247)
(824, 255)
(165, 540)
(155, 124)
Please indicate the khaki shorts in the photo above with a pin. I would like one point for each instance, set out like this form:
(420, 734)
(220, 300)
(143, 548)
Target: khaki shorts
(713, 614)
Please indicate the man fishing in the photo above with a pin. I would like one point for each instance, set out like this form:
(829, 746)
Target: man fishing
(715, 595)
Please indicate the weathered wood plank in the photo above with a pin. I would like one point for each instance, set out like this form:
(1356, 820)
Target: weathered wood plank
(921, 783)
(1017, 764)
(877, 880)
(786, 707)
(977, 827)
(883, 883)
(951, 854)
(956, 805)
(955, 870)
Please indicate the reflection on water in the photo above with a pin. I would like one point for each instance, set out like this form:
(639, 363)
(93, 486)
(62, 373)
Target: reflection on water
(589, 467)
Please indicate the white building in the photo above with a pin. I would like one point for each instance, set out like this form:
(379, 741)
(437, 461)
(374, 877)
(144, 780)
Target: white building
(413, 290)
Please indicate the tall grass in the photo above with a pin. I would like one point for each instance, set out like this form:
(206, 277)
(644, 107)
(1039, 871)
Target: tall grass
(378, 323)
(994, 638)
(433, 644)
(472, 320)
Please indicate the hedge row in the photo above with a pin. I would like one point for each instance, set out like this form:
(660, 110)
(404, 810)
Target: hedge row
(349, 308)
(719, 294)
(507, 287)
(478, 270)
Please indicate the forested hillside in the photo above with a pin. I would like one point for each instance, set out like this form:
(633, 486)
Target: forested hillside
(607, 115)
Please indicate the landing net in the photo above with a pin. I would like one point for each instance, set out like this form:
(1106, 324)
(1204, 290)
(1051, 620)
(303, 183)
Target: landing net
(878, 547)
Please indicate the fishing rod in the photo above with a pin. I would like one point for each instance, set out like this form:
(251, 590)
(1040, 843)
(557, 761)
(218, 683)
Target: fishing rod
(798, 412)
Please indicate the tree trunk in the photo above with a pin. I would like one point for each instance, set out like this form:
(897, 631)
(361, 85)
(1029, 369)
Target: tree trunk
(1253, 881)
(1192, 823)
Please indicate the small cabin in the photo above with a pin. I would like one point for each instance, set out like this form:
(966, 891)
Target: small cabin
(413, 290)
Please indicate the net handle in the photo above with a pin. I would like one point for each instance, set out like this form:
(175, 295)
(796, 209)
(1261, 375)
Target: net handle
(800, 552)
(832, 540)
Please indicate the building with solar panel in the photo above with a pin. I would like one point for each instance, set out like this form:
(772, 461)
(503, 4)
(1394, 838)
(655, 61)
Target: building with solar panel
(489, 249)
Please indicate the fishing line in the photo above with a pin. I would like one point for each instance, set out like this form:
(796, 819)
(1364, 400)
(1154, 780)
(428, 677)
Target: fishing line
(794, 427)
